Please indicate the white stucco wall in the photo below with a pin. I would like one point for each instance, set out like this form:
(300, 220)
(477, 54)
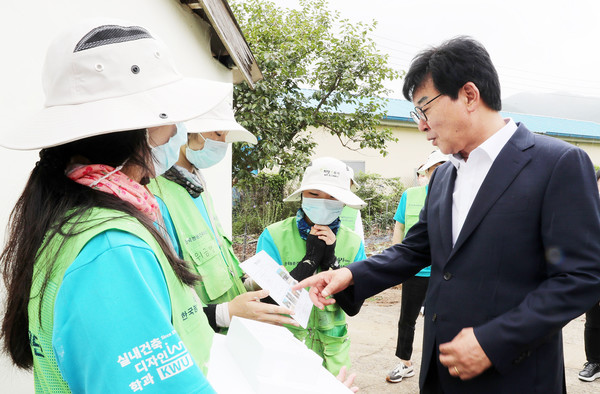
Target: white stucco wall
(26, 28)
(591, 147)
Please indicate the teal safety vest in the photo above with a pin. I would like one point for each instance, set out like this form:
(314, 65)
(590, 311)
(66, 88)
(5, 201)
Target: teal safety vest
(193, 329)
(213, 259)
(326, 331)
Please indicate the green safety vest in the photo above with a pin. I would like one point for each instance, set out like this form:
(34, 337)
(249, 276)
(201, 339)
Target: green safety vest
(193, 329)
(415, 199)
(348, 217)
(326, 331)
(213, 259)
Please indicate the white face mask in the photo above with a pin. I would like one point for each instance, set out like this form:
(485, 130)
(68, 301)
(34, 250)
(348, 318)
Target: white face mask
(212, 153)
(167, 154)
(322, 210)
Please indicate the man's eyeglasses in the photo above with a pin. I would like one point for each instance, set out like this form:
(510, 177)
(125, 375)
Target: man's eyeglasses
(419, 114)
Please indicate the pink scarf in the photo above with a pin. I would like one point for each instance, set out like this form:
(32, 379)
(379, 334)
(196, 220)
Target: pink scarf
(113, 181)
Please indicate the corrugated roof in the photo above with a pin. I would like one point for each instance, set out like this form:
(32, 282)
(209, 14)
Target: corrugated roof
(559, 127)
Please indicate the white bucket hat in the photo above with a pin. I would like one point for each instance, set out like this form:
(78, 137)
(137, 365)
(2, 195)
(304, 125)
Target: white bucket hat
(434, 157)
(105, 75)
(331, 176)
(221, 118)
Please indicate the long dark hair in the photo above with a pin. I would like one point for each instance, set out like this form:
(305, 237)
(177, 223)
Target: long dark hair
(50, 200)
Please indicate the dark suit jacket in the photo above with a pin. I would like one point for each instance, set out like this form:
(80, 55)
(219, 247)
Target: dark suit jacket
(526, 262)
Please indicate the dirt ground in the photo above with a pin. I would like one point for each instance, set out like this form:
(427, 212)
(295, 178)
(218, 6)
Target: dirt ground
(373, 343)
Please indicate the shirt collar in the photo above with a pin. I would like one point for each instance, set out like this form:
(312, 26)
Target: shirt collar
(493, 145)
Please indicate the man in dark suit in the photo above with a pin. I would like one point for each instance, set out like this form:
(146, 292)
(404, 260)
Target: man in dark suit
(511, 228)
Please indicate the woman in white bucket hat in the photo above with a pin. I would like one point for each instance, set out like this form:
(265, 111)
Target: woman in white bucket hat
(187, 211)
(314, 240)
(97, 299)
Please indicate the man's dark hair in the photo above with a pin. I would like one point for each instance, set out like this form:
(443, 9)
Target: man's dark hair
(453, 64)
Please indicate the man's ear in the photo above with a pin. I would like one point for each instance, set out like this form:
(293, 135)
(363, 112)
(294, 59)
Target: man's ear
(471, 95)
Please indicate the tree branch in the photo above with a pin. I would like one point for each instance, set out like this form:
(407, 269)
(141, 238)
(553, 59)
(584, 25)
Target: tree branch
(338, 78)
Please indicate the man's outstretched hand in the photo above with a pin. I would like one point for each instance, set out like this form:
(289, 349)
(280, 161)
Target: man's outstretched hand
(325, 284)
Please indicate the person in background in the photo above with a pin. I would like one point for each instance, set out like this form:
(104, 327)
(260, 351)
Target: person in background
(351, 217)
(415, 288)
(591, 336)
(195, 230)
(96, 298)
(315, 241)
(408, 209)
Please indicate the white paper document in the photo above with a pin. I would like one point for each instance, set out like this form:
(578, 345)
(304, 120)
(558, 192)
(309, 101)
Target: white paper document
(260, 358)
(273, 277)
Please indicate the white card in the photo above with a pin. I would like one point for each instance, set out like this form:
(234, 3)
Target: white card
(274, 277)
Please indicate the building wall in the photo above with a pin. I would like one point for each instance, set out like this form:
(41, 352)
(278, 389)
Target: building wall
(592, 148)
(28, 27)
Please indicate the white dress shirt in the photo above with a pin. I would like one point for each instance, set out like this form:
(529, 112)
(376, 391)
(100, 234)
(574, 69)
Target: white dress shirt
(471, 173)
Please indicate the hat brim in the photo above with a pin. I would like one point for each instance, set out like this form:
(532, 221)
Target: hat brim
(345, 196)
(434, 158)
(177, 101)
(354, 186)
(236, 133)
(423, 169)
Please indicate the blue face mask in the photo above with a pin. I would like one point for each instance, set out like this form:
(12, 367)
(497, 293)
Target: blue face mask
(322, 210)
(212, 153)
(167, 154)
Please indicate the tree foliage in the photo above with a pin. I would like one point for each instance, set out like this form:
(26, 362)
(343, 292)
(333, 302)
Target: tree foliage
(259, 202)
(319, 70)
(382, 196)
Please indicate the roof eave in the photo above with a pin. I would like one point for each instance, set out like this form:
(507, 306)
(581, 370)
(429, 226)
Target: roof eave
(219, 15)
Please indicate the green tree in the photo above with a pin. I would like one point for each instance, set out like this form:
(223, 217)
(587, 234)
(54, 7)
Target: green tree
(317, 69)
(382, 196)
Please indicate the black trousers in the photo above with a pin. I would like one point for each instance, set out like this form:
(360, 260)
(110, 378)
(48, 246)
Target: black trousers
(413, 295)
(591, 334)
